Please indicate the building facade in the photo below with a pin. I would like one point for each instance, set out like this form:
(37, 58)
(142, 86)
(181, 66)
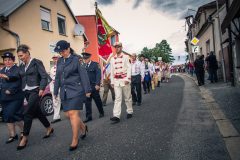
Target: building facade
(90, 25)
(231, 26)
(39, 24)
(205, 26)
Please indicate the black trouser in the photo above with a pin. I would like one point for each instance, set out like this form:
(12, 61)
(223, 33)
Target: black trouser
(146, 86)
(33, 110)
(200, 77)
(136, 88)
(213, 75)
(96, 97)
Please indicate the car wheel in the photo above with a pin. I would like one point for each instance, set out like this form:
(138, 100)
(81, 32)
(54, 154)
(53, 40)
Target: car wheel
(47, 105)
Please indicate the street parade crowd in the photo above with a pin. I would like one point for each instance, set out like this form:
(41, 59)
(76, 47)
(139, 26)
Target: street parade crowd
(74, 81)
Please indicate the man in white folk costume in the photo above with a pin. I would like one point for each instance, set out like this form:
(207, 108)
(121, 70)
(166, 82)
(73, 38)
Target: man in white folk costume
(121, 81)
(56, 102)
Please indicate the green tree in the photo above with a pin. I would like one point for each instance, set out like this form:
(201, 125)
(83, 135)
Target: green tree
(161, 49)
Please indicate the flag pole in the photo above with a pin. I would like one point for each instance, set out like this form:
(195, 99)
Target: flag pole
(100, 58)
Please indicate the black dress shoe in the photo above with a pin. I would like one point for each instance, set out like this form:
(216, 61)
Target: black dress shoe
(133, 103)
(11, 139)
(129, 116)
(56, 120)
(85, 134)
(101, 115)
(115, 120)
(49, 134)
(87, 120)
(22, 147)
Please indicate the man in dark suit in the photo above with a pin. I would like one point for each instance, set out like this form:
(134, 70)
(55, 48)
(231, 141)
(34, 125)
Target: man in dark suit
(212, 66)
(94, 74)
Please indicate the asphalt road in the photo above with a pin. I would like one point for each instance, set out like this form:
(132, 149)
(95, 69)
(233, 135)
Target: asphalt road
(173, 123)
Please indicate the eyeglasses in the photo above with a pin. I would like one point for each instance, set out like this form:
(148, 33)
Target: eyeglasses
(117, 46)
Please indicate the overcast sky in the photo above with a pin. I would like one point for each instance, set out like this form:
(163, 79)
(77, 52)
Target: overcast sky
(143, 23)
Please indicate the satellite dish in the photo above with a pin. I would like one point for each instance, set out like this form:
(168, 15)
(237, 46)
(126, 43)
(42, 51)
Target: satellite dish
(79, 30)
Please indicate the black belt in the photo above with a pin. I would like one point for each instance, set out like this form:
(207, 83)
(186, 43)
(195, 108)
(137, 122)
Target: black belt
(136, 75)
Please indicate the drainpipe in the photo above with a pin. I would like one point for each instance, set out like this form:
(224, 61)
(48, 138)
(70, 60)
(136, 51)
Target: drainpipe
(232, 74)
(15, 35)
(220, 36)
(213, 34)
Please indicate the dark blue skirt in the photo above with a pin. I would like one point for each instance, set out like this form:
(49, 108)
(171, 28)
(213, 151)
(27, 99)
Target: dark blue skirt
(75, 103)
(12, 110)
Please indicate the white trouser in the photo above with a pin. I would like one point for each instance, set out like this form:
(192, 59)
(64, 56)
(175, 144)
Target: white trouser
(56, 107)
(119, 91)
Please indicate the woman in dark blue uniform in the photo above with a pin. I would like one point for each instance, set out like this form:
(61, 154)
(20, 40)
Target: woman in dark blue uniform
(11, 96)
(73, 81)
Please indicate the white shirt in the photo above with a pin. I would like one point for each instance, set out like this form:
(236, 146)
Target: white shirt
(138, 68)
(28, 87)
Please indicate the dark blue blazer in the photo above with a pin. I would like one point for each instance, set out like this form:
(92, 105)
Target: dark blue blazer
(13, 85)
(71, 78)
(35, 75)
(94, 73)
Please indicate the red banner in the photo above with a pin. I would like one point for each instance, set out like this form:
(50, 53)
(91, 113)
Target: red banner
(104, 46)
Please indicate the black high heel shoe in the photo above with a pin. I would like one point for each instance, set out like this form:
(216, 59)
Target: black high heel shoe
(49, 134)
(85, 134)
(72, 148)
(22, 147)
(11, 139)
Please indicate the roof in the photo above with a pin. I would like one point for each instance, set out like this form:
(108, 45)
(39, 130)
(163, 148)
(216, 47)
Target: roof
(9, 6)
(208, 6)
(234, 11)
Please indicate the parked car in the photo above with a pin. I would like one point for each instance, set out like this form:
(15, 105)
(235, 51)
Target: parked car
(46, 103)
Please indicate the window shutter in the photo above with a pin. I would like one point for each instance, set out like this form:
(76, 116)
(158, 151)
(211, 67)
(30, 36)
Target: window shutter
(45, 15)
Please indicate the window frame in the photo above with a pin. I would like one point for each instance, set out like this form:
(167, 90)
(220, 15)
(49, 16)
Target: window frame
(49, 23)
(60, 16)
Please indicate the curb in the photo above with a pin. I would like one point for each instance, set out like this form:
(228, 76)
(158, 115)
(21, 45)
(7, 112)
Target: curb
(229, 134)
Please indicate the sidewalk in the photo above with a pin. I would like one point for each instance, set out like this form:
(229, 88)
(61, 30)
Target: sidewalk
(227, 97)
(223, 101)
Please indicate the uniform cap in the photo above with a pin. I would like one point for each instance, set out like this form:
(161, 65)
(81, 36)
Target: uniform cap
(8, 55)
(61, 45)
(117, 44)
(86, 55)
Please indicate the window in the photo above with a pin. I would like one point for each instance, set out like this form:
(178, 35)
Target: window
(61, 25)
(113, 40)
(45, 19)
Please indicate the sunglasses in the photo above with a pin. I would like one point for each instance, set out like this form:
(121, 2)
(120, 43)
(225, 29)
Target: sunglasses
(117, 46)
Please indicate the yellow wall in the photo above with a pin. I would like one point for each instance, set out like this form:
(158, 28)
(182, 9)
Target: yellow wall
(26, 22)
